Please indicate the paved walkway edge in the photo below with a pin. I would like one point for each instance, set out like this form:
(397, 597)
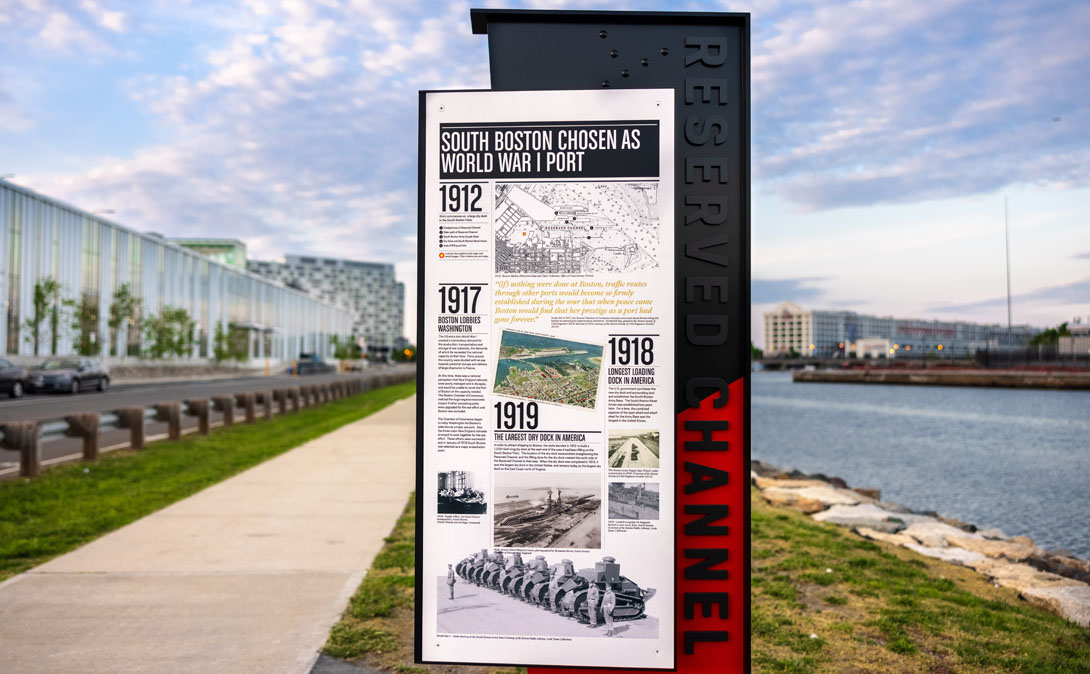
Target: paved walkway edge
(248, 575)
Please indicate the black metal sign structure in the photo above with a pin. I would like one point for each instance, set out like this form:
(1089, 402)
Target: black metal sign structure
(704, 58)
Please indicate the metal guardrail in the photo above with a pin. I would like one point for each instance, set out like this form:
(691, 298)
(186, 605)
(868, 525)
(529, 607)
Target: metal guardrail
(27, 437)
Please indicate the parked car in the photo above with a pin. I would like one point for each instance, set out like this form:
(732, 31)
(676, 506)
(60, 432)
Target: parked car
(69, 375)
(13, 379)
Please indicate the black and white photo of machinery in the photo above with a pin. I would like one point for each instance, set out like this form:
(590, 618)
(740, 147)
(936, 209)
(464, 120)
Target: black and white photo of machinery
(542, 595)
(548, 510)
(633, 448)
(633, 501)
(458, 495)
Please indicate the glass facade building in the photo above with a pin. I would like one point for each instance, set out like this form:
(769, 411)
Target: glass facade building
(814, 332)
(41, 238)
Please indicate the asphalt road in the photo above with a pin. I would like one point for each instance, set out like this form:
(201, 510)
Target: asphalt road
(46, 406)
(54, 406)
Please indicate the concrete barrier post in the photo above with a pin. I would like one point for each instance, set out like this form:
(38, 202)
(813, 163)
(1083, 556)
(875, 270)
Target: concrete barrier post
(199, 409)
(172, 414)
(266, 403)
(225, 404)
(24, 437)
(295, 394)
(246, 400)
(281, 395)
(132, 418)
(85, 426)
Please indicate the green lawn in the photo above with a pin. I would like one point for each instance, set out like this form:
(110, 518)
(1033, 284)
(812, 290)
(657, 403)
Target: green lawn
(72, 504)
(377, 627)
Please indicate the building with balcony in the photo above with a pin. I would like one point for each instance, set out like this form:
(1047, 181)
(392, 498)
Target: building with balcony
(368, 290)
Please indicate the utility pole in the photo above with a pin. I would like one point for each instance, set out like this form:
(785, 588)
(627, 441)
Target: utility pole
(1007, 232)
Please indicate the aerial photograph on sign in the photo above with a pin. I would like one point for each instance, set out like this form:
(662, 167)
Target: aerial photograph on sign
(548, 369)
(633, 501)
(548, 510)
(633, 449)
(576, 227)
(498, 593)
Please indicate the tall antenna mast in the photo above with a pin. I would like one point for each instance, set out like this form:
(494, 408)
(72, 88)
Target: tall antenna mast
(1007, 232)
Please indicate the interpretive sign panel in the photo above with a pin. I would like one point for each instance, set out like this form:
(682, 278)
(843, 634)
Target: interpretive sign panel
(546, 487)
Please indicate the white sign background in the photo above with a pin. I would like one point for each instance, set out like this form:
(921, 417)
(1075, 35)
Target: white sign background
(646, 556)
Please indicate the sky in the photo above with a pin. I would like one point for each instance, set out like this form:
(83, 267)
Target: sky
(886, 136)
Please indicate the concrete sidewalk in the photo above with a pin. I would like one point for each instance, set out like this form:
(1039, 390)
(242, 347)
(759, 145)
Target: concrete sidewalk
(246, 576)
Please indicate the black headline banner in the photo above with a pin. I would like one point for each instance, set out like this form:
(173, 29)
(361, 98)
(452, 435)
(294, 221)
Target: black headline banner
(592, 149)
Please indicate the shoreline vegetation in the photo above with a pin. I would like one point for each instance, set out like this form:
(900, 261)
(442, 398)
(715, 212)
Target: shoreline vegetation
(827, 600)
(1055, 580)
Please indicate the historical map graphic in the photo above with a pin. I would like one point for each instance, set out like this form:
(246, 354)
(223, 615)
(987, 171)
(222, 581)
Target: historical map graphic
(576, 227)
(549, 369)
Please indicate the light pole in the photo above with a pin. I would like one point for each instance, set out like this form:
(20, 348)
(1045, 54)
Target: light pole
(1007, 234)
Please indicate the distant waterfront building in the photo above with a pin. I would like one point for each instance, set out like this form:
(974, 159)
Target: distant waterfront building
(369, 290)
(228, 251)
(42, 238)
(815, 332)
(1077, 343)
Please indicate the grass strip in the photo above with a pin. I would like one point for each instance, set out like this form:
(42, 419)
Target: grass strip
(825, 600)
(377, 627)
(71, 504)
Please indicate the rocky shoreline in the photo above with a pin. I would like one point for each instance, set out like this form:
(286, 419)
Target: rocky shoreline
(1056, 580)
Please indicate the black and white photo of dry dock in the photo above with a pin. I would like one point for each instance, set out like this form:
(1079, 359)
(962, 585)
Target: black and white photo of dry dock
(548, 510)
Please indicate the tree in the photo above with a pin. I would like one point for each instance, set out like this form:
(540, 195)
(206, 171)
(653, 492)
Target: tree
(220, 351)
(407, 354)
(755, 353)
(46, 298)
(125, 308)
(1051, 336)
(170, 333)
(181, 330)
(238, 343)
(85, 324)
(344, 349)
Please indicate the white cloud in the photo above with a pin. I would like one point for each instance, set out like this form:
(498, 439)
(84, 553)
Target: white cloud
(110, 20)
(61, 33)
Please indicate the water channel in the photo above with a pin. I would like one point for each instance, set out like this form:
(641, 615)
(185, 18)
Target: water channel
(1009, 458)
